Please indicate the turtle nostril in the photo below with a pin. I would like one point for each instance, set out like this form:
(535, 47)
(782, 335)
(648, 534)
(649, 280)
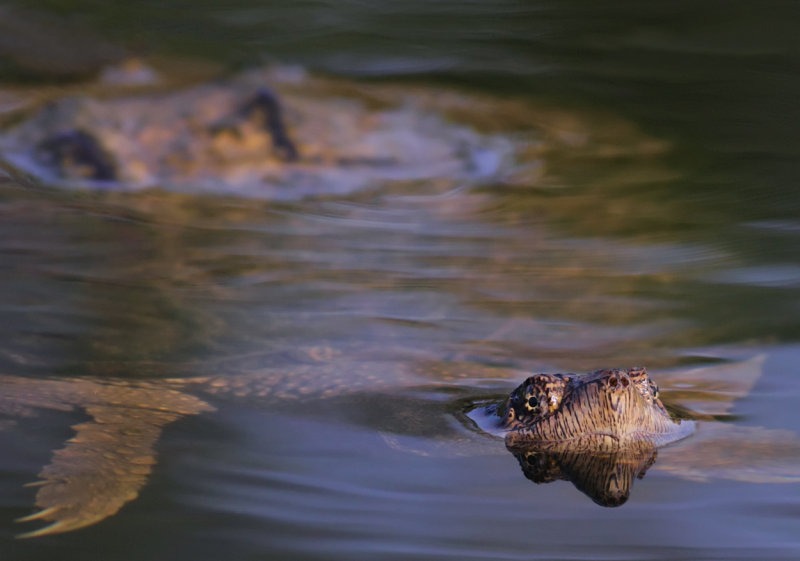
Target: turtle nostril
(625, 381)
(613, 382)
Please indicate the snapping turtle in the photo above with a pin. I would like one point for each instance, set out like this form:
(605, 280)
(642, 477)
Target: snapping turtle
(603, 408)
(600, 430)
(108, 461)
(604, 430)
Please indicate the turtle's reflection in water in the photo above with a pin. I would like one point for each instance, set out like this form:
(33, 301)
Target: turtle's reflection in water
(604, 472)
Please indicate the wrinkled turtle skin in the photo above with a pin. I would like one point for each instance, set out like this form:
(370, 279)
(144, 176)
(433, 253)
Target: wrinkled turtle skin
(604, 407)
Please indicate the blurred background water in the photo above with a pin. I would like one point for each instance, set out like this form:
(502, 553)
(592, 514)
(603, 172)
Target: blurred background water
(669, 238)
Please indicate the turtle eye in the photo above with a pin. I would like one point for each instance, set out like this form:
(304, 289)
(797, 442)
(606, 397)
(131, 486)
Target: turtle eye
(536, 398)
(532, 403)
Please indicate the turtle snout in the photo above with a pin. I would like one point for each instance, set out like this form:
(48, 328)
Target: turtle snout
(618, 381)
(620, 389)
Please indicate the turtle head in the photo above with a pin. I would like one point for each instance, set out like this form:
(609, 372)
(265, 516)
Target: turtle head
(617, 404)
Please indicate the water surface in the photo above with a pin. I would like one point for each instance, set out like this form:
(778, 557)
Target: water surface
(668, 238)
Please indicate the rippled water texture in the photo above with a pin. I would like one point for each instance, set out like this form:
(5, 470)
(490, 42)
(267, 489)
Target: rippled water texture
(309, 368)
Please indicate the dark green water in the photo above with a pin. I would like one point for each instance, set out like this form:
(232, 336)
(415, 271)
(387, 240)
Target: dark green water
(674, 259)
